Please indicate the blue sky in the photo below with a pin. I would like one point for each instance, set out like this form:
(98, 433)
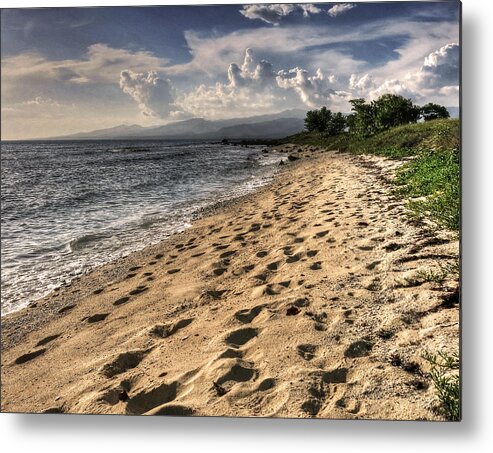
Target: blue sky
(71, 69)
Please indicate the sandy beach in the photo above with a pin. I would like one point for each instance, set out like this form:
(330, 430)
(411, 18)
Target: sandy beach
(304, 299)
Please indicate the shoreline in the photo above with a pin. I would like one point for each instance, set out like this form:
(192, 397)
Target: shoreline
(121, 262)
(197, 210)
(322, 256)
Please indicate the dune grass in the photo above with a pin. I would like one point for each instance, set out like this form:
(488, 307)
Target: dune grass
(444, 373)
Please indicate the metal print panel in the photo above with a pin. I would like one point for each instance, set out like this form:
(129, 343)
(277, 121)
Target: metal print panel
(232, 210)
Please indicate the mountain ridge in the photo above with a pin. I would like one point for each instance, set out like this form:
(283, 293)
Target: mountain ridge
(275, 125)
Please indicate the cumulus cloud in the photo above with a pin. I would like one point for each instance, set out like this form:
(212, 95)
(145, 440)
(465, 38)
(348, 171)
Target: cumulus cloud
(273, 14)
(340, 8)
(152, 93)
(251, 74)
(438, 76)
(440, 68)
(308, 9)
(313, 90)
(251, 87)
(361, 84)
(255, 87)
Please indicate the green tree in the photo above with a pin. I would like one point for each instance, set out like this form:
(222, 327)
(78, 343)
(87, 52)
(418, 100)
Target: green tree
(318, 120)
(432, 111)
(312, 120)
(337, 124)
(392, 110)
(362, 121)
(389, 110)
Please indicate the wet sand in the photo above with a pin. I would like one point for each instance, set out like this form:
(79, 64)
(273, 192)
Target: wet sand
(304, 299)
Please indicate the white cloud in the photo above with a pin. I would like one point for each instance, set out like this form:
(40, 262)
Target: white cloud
(27, 74)
(43, 101)
(256, 88)
(314, 91)
(361, 84)
(308, 9)
(440, 68)
(151, 92)
(437, 78)
(273, 14)
(340, 8)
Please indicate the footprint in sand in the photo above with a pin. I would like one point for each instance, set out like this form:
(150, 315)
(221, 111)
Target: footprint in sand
(96, 318)
(139, 290)
(121, 300)
(29, 356)
(240, 337)
(273, 289)
(359, 348)
(123, 362)
(215, 294)
(307, 351)
(66, 308)
(166, 330)
(227, 254)
(173, 271)
(152, 399)
(273, 266)
(240, 371)
(294, 258)
(219, 271)
(246, 316)
(47, 340)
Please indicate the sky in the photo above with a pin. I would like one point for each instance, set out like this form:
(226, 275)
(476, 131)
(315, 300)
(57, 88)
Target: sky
(66, 70)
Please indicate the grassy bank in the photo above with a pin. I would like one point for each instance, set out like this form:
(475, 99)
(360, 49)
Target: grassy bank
(430, 181)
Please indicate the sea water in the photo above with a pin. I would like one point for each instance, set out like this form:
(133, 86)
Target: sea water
(67, 207)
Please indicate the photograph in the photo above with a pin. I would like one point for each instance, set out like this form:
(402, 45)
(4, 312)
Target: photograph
(232, 210)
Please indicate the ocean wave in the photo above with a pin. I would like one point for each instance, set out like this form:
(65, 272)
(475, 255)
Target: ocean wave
(129, 149)
(85, 240)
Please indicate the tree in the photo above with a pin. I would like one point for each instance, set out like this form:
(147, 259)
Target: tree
(318, 120)
(311, 120)
(432, 111)
(389, 110)
(392, 110)
(362, 121)
(337, 124)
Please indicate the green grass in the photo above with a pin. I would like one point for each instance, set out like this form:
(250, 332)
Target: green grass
(434, 177)
(444, 373)
(433, 174)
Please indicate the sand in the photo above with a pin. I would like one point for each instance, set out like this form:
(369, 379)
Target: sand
(304, 299)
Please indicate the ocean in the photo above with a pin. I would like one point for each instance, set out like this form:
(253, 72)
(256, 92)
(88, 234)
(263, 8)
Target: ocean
(67, 207)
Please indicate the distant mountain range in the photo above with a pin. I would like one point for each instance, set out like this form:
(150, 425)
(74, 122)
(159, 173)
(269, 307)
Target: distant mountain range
(273, 126)
(278, 125)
